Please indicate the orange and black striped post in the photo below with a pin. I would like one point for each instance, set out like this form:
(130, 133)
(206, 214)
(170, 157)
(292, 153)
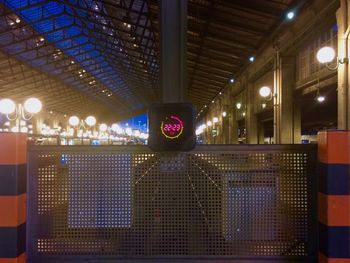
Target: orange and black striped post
(13, 170)
(334, 196)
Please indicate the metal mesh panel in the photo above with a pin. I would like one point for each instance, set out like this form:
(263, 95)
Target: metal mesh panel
(214, 201)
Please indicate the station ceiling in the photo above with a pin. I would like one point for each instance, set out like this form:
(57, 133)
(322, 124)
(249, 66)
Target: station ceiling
(102, 56)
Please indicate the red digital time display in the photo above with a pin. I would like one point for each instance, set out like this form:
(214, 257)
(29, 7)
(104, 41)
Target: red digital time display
(172, 127)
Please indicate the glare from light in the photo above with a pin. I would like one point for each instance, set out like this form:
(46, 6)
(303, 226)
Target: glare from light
(103, 127)
(71, 132)
(224, 114)
(251, 59)
(265, 91)
(128, 131)
(321, 98)
(7, 106)
(263, 105)
(23, 123)
(215, 120)
(243, 114)
(90, 121)
(73, 121)
(238, 105)
(144, 136)
(137, 133)
(33, 105)
(325, 55)
(209, 123)
(212, 101)
(232, 80)
(290, 15)
(116, 128)
(199, 131)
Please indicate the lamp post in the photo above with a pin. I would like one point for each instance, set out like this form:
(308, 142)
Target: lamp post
(74, 121)
(326, 56)
(266, 93)
(20, 112)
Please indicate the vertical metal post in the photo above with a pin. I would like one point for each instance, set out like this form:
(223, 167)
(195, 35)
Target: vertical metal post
(344, 69)
(276, 99)
(173, 27)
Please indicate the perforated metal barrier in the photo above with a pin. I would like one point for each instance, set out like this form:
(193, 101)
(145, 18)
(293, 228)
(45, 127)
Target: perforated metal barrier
(215, 202)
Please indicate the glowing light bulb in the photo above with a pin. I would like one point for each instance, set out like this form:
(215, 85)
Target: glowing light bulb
(33, 105)
(90, 120)
(103, 127)
(7, 106)
(265, 91)
(290, 15)
(325, 55)
(74, 121)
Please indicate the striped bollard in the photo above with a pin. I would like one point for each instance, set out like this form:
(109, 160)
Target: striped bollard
(334, 196)
(13, 171)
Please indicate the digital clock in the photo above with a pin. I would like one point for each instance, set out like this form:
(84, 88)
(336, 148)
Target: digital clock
(171, 127)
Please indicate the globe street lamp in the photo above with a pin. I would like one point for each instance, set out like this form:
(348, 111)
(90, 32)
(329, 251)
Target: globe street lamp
(20, 112)
(326, 55)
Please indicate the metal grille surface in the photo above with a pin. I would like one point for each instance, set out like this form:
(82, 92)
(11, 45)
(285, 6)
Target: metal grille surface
(219, 201)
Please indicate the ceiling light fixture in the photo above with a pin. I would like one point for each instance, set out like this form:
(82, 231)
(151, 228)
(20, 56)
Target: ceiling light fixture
(290, 15)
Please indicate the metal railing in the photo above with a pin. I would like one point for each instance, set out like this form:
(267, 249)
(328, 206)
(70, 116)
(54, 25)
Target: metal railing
(229, 202)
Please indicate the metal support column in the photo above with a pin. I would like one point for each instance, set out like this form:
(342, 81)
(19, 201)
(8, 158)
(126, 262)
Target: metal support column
(173, 27)
(343, 21)
(286, 118)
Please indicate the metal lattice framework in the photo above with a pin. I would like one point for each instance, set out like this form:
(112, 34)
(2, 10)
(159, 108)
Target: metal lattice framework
(109, 50)
(100, 48)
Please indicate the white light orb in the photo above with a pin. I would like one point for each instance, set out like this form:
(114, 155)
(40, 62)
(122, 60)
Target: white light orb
(224, 114)
(33, 105)
(238, 105)
(290, 15)
(90, 120)
(116, 128)
(103, 127)
(128, 131)
(209, 123)
(321, 98)
(215, 119)
(325, 55)
(7, 106)
(73, 121)
(265, 91)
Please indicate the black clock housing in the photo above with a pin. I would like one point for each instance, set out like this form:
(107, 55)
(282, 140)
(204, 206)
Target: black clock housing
(171, 127)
